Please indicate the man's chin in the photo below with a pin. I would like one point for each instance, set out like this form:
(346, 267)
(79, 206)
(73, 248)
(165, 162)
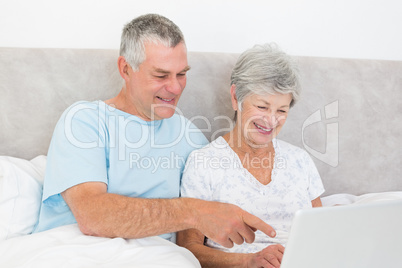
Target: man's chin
(166, 113)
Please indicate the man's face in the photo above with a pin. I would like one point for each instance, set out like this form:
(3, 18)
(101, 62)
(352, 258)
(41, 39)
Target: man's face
(154, 90)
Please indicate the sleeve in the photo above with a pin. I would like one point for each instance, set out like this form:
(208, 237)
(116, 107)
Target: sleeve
(194, 136)
(315, 186)
(196, 180)
(77, 152)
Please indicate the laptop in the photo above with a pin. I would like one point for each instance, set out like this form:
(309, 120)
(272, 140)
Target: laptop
(355, 236)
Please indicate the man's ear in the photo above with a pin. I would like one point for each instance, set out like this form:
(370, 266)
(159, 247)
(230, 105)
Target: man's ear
(235, 104)
(123, 66)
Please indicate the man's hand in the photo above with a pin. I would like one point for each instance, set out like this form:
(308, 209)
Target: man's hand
(227, 224)
(270, 257)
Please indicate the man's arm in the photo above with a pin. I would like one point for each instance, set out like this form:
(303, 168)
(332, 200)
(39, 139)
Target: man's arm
(104, 214)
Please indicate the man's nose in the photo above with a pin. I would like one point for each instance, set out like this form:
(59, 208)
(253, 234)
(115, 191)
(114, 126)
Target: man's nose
(174, 86)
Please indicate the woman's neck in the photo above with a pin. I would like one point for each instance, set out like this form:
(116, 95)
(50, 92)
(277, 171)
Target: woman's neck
(258, 160)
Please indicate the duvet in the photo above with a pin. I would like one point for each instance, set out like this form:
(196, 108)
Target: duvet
(66, 246)
(20, 197)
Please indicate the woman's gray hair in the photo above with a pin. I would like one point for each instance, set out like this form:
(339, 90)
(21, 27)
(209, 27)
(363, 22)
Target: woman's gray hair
(265, 69)
(147, 28)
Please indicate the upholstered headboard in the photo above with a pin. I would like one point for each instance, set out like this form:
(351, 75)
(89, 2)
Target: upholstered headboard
(348, 119)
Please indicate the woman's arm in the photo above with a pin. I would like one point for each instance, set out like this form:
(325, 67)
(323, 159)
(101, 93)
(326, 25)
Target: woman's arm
(193, 240)
(316, 202)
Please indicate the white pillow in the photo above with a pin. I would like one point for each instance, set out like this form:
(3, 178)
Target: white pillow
(21, 184)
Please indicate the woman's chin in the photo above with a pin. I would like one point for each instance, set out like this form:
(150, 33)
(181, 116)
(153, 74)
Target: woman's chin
(259, 142)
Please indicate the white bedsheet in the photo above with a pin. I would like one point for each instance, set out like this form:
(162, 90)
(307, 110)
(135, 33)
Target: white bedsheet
(348, 199)
(66, 246)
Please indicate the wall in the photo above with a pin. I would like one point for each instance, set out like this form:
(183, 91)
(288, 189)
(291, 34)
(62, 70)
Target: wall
(343, 28)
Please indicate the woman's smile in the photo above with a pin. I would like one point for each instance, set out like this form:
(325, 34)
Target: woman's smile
(263, 130)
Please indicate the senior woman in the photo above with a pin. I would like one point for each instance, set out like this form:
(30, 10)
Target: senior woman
(250, 167)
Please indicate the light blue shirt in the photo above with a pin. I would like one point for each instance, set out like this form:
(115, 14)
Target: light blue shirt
(96, 142)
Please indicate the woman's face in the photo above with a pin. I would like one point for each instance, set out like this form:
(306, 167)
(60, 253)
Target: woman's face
(262, 117)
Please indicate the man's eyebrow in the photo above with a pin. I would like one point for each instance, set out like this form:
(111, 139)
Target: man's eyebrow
(187, 68)
(159, 70)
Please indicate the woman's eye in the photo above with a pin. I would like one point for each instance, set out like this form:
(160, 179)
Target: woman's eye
(282, 111)
(261, 107)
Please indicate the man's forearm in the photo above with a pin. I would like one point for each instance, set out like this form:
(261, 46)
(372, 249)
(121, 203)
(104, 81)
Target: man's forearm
(100, 213)
(120, 216)
(112, 215)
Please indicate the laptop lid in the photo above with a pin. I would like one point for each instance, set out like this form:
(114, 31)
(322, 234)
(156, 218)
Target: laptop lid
(355, 236)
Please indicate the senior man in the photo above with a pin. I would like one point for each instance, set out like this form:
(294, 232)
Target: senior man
(91, 178)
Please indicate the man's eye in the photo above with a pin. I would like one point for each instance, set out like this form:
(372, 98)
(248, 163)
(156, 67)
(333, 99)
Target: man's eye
(160, 76)
(282, 111)
(181, 74)
(262, 107)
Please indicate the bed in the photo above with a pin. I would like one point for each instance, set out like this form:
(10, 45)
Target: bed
(348, 120)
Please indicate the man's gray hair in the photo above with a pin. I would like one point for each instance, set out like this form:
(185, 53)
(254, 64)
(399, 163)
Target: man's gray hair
(265, 69)
(147, 28)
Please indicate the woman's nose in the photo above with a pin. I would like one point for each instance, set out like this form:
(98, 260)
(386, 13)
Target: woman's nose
(272, 120)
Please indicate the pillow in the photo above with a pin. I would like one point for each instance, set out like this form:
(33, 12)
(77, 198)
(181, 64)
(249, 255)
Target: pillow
(21, 184)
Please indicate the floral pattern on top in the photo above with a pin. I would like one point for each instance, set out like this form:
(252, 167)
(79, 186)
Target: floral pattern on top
(216, 173)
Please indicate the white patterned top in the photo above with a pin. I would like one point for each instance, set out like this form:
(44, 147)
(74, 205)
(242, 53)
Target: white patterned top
(216, 173)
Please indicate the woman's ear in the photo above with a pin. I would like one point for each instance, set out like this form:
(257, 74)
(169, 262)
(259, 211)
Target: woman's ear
(235, 104)
(123, 66)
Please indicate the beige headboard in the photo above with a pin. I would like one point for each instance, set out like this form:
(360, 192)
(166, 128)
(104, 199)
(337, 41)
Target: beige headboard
(348, 119)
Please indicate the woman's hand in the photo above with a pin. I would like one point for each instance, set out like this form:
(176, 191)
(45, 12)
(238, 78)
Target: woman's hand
(269, 257)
